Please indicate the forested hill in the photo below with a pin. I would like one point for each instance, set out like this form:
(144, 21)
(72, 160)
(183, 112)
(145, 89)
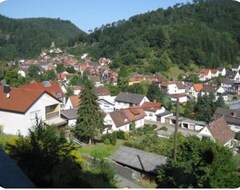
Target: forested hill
(204, 32)
(24, 38)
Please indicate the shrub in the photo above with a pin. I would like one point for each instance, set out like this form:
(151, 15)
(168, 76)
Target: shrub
(114, 138)
(106, 141)
(164, 128)
(120, 134)
(126, 135)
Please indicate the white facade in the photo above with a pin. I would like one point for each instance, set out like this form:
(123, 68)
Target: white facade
(139, 123)
(15, 123)
(106, 106)
(173, 89)
(108, 121)
(182, 99)
(205, 133)
(151, 116)
(123, 105)
(193, 92)
(234, 128)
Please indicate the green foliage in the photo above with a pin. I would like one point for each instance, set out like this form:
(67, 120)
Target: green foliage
(106, 141)
(45, 144)
(60, 68)
(200, 165)
(202, 33)
(164, 128)
(155, 93)
(114, 139)
(13, 78)
(120, 134)
(27, 37)
(89, 120)
(126, 135)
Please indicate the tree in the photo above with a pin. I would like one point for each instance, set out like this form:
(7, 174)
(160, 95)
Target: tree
(47, 158)
(200, 165)
(155, 93)
(34, 72)
(89, 120)
(60, 68)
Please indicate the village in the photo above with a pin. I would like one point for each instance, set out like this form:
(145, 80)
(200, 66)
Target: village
(56, 102)
(48, 100)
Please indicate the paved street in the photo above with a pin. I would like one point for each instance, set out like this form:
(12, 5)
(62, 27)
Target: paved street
(171, 129)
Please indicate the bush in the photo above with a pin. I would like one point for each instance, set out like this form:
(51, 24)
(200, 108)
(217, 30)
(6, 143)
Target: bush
(126, 135)
(164, 128)
(106, 141)
(114, 138)
(120, 134)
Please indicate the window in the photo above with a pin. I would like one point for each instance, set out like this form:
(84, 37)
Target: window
(150, 114)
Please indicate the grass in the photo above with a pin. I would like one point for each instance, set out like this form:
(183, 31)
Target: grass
(4, 139)
(173, 73)
(148, 184)
(100, 149)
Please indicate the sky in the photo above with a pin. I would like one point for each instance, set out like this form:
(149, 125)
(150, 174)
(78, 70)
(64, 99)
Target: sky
(85, 14)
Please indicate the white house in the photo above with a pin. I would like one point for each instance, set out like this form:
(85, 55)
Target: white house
(221, 92)
(19, 109)
(222, 71)
(173, 87)
(126, 100)
(236, 67)
(106, 104)
(72, 102)
(70, 115)
(205, 74)
(102, 92)
(195, 90)
(233, 75)
(152, 109)
(218, 131)
(181, 97)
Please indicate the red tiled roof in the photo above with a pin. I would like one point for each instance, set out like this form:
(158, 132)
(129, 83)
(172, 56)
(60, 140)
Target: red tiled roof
(101, 91)
(198, 87)
(75, 101)
(134, 114)
(204, 71)
(20, 100)
(53, 89)
(214, 71)
(151, 106)
(221, 131)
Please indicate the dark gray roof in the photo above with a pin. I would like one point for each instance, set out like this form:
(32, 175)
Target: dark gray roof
(131, 98)
(11, 176)
(230, 116)
(138, 159)
(231, 74)
(69, 114)
(164, 114)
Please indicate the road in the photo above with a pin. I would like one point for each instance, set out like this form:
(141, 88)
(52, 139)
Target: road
(171, 129)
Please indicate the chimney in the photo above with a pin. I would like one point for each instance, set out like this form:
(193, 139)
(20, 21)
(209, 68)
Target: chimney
(154, 101)
(6, 90)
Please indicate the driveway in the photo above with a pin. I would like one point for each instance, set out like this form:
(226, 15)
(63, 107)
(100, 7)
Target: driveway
(171, 129)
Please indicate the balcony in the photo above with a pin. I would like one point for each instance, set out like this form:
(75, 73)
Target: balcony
(52, 115)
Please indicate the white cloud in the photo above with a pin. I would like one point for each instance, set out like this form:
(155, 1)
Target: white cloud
(1, 1)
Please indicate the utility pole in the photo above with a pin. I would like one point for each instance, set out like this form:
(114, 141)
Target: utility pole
(175, 134)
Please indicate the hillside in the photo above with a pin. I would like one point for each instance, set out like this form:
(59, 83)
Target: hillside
(205, 33)
(25, 38)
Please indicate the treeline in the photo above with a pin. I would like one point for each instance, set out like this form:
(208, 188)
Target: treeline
(205, 33)
(25, 38)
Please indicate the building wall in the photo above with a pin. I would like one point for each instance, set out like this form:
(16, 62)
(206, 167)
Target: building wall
(235, 128)
(139, 123)
(151, 116)
(205, 133)
(13, 123)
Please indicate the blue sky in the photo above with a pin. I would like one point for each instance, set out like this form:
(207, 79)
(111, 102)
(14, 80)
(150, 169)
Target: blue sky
(85, 14)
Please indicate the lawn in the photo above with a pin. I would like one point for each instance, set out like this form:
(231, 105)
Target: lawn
(4, 139)
(100, 149)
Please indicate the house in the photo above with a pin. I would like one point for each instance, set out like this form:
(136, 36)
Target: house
(232, 117)
(214, 73)
(144, 162)
(221, 92)
(11, 176)
(20, 107)
(107, 104)
(173, 87)
(127, 99)
(72, 102)
(222, 71)
(51, 87)
(233, 75)
(195, 90)
(204, 74)
(218, 131)
(152, 109)
(230, 86)
(236, 67)
(122, 119)
(182, 98)
(207, 89)
(70, 115)
(102, 92)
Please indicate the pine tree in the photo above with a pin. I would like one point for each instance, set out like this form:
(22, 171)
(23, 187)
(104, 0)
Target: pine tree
(89, 121)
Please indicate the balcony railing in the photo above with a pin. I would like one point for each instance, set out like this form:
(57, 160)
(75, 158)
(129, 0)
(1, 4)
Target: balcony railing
(52, 115)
